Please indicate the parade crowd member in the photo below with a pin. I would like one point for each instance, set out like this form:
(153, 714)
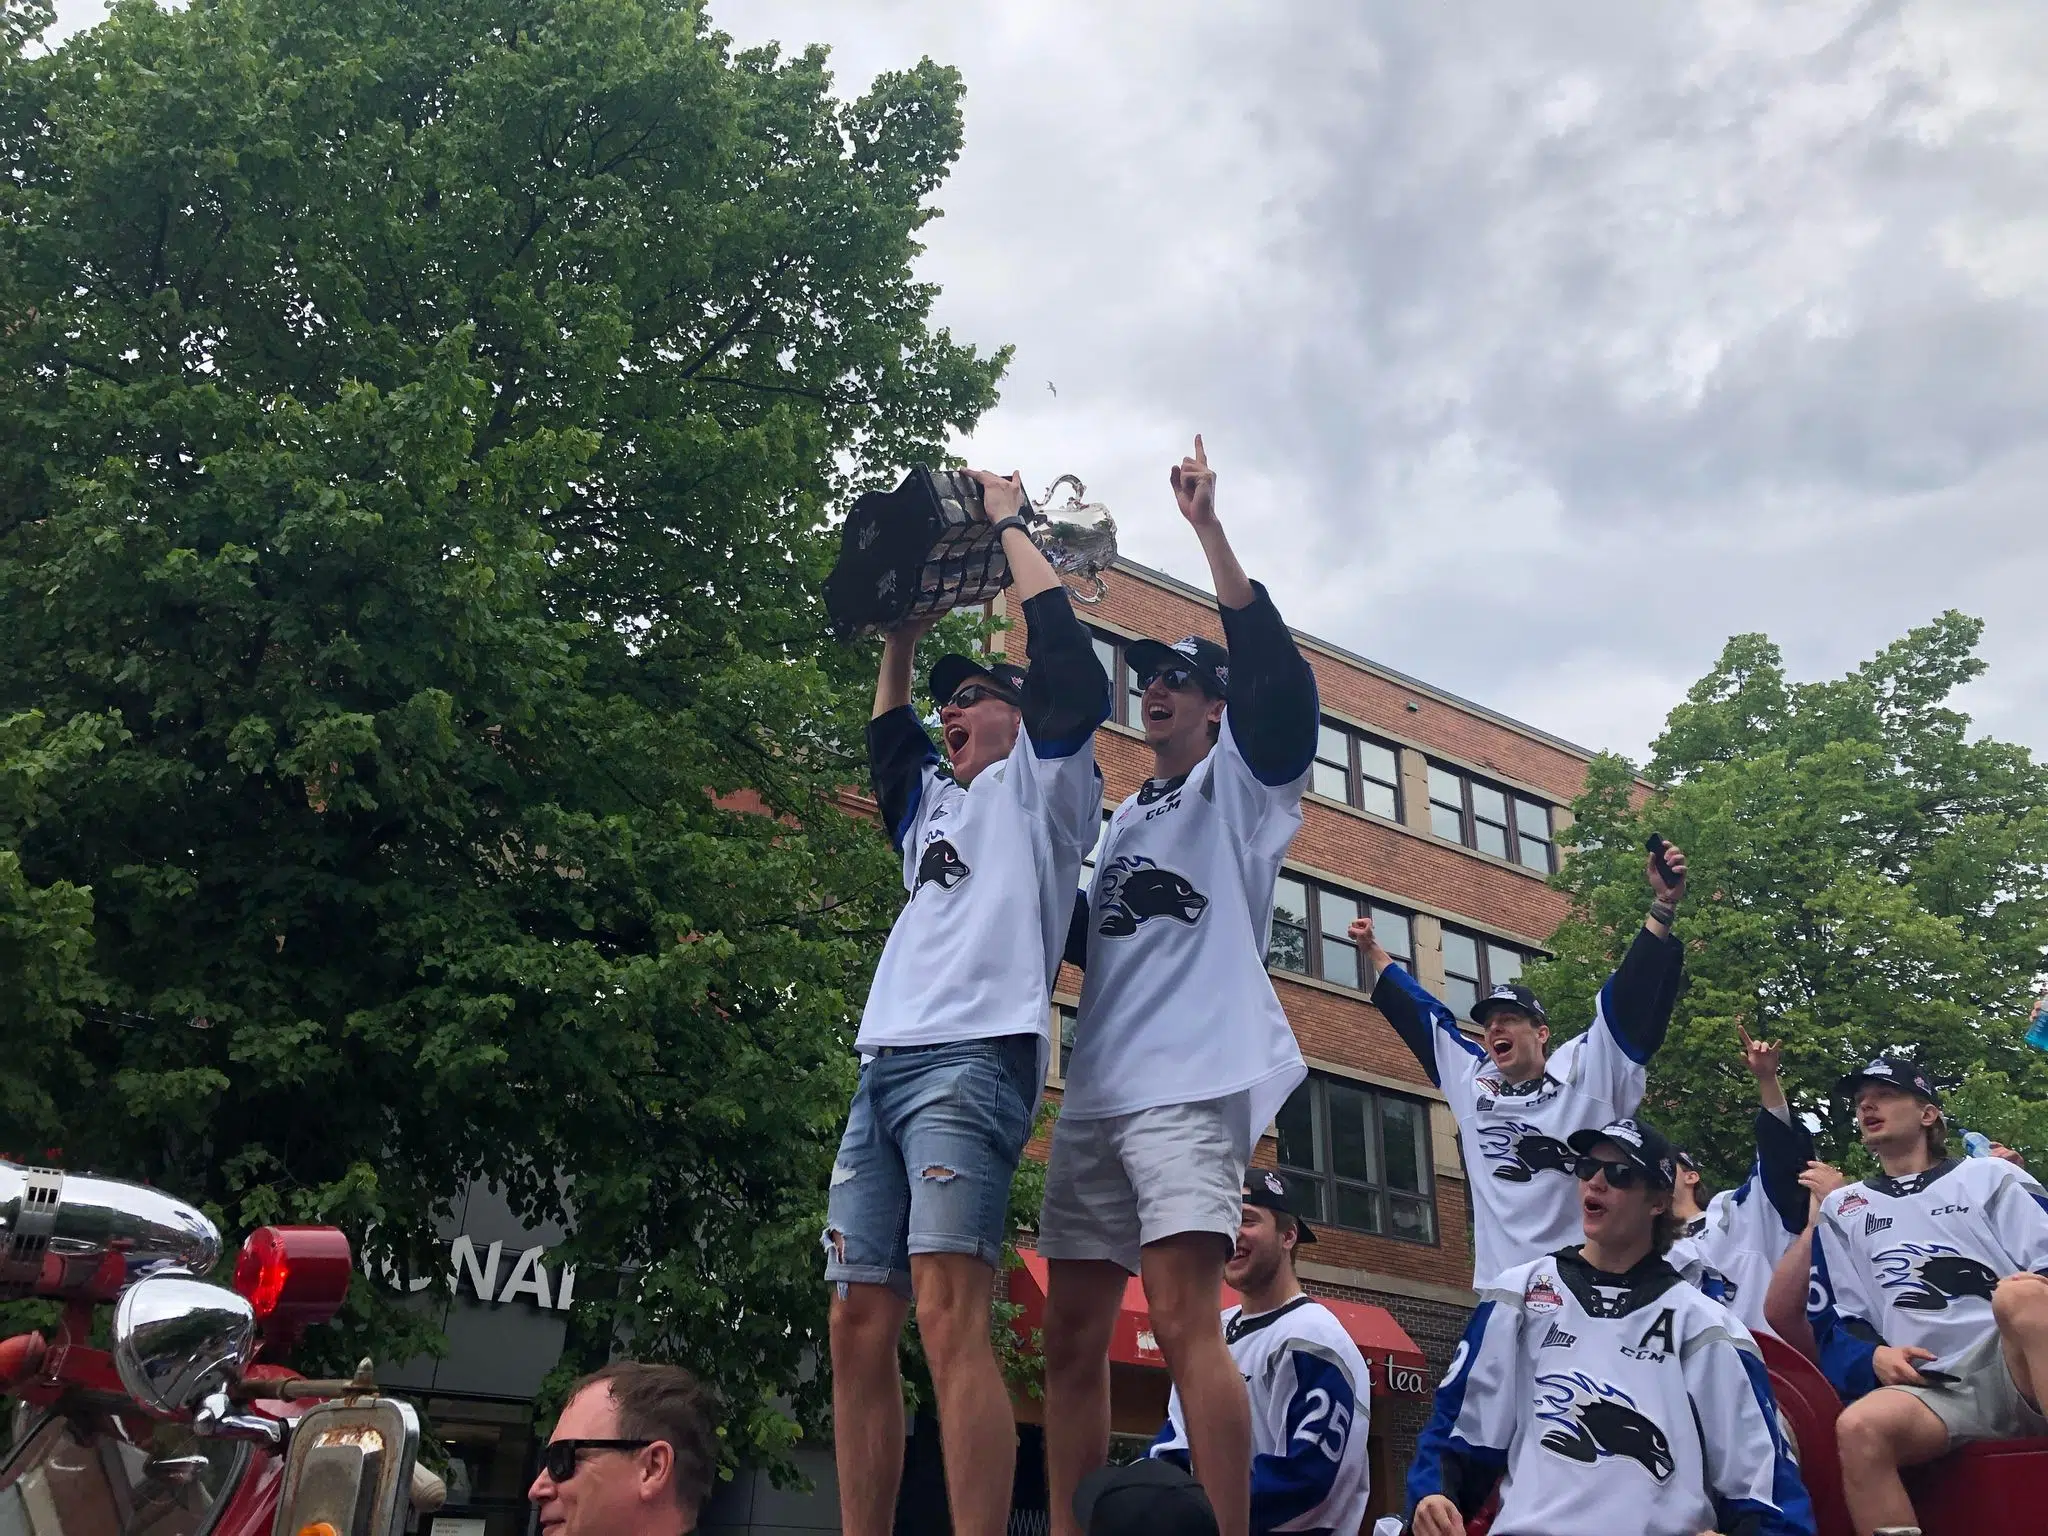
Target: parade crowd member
(1729, 1246)
(1928, 1302)
(1600, 1392)
(955, 1037)
(1311, 1395)
(1517, 1108)
(1181, 1052)
(633, 1454)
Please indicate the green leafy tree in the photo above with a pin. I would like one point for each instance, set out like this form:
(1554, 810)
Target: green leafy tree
(1864, 875)
(417, 429)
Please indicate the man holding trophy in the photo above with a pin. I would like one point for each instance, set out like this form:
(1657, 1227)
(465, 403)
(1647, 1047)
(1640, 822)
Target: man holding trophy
(956, 1033)
(1181, 1054)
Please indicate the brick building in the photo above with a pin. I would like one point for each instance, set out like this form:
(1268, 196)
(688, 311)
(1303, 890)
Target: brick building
(1441, 818)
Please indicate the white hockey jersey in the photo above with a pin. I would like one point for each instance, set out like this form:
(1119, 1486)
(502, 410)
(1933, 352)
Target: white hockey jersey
(1732, 1249)
(962, 961)
(1628, 1405)
(1914, 1261)
(1176, 1006)
(1311, 1398)
(1525, 1201)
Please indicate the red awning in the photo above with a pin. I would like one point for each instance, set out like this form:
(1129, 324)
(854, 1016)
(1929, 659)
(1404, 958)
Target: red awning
(1397, 1366)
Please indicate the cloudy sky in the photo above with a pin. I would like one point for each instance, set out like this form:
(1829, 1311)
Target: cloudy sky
(1538, 347)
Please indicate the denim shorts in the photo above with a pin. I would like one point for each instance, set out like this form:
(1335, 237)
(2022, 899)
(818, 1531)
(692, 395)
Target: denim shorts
(931, 1144)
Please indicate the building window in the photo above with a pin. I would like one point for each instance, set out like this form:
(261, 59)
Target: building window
(1355, 1157)
(1095, 853)
(1063, 1019)
(1357, 770)
(1308, 938)
(1474, 966)
(1124, 692)
(1480, 815)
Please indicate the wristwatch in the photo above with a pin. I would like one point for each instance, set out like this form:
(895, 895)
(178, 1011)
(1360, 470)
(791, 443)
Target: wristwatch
(1014, 521)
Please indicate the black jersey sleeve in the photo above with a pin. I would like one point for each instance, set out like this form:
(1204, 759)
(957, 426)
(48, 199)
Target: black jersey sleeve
(1066, 693)
(1077, 933)
(898, 751)
(1639, 996)
(1274, 711)
(1782, 1153)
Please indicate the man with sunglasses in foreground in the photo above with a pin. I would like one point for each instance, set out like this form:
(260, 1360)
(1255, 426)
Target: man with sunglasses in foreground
(955, 1036)
(1516, 1103)
(1600, 1392)
(633, 1454)
(1181, 1053)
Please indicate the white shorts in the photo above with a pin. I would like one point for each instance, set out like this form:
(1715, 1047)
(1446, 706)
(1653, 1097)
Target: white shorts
(1116, 1184)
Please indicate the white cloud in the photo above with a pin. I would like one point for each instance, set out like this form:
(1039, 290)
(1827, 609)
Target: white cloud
(1539, 347)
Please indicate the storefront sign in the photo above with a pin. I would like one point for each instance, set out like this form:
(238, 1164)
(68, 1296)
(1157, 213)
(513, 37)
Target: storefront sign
(528, 1278)
(1401, 1380)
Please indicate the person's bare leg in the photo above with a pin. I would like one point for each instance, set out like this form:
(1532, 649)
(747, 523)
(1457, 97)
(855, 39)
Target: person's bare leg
(2020, 1308)
(867, 1406)
(1184, 1294)
(1877, 1435)
(1082, 1297)
(976, 1428)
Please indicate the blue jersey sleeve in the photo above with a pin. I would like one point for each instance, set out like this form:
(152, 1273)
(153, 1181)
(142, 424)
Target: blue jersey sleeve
(1637, 1000)
(1845, 1337)
(1464, 1448)
(898, 754)
(1426, 1026)
(1319, 1420)
(1274, 713)
(1783, 1149)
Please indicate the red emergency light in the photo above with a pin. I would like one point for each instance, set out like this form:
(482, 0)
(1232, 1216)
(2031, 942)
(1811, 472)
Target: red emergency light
(294, 1276)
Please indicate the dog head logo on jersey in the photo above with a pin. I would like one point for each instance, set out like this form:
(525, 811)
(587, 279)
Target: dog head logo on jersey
(940, 865)
(1134, 890)
(1520, 1151)
(1594, 1420)
(1926, 1277)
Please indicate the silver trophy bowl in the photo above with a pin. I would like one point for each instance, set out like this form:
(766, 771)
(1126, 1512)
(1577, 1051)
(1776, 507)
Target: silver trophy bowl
(1078, 537)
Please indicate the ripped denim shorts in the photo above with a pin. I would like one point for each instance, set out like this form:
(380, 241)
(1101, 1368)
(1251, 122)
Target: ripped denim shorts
(931, 1144)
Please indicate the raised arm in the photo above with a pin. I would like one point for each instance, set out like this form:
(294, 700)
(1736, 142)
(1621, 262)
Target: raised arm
(1426, 1026)
(1274, 711)
(898, 748)
(1784, 1146)
(1639, 996)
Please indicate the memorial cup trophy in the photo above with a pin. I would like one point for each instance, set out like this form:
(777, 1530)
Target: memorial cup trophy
(925, 547)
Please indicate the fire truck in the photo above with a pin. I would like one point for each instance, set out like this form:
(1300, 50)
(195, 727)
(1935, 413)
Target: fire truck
(188, 1422)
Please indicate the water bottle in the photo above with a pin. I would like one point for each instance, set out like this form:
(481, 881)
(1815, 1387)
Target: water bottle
(1976, 1144)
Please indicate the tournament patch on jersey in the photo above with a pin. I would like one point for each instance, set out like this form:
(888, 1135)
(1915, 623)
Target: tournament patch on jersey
(1541, 1296)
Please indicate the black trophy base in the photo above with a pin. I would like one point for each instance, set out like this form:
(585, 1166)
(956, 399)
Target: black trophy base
(912, 552)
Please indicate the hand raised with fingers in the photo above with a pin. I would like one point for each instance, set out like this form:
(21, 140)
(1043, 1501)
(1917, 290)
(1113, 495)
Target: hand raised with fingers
(1759, 1056)
(1194, 487)
(1000, 497)
(1672, 890)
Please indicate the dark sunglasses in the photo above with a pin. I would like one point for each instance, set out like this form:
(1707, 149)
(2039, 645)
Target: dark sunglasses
(974, 693)
(1175, 678)
(1618, 1175)
(562, 1457)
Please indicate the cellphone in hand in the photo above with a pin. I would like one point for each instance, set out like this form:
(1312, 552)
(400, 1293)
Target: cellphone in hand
(1655, 844)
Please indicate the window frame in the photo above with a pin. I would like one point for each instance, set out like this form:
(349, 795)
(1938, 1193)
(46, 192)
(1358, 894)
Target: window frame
(1327, 1181)
(1512, 834)
(1355, 776)
(1482, 946)
(1122, 697)
(1314, 934)
(1064, 1016)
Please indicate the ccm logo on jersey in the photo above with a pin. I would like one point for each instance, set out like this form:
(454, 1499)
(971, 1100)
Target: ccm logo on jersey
(1595, 1420)
(1135, 890)
(940, 865)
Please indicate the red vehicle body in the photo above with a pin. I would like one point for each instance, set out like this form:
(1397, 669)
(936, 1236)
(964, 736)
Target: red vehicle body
(175, 1431)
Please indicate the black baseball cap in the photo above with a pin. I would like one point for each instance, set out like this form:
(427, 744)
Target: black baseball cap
(1267, 1190)
(952, 670)
(1145, 1498)
(1209, 662)
(1509, 995)
(1641, 1143)
(1894, 1070)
